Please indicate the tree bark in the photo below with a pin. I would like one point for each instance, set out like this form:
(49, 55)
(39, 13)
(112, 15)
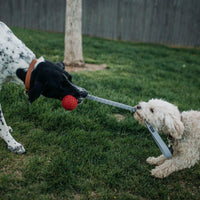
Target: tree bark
(73, 34)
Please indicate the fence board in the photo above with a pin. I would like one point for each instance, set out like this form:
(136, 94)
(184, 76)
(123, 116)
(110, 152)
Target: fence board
(175, 22)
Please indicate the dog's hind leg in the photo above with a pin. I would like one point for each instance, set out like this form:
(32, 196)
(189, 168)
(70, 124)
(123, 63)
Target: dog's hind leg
(5, 130)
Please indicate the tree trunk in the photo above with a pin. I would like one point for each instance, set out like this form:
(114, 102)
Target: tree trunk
(73, 34)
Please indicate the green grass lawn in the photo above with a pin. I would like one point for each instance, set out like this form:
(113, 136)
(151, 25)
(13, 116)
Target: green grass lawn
(87, 153)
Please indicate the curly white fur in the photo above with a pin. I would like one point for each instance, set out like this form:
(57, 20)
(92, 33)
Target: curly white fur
(182, 129)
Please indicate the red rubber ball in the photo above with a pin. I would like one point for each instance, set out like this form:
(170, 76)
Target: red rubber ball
(69, 102)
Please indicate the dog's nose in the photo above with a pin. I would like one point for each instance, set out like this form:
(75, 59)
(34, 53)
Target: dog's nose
(138, 107)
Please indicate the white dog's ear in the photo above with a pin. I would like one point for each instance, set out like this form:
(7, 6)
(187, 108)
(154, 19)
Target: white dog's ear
(174, 126)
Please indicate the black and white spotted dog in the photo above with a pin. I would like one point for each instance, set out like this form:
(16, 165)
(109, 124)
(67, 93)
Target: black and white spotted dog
(48, 79)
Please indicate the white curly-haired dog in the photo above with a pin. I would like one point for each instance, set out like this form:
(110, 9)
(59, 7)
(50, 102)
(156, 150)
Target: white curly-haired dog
(182, 130)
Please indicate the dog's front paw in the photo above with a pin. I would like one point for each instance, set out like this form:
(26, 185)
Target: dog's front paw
(16, 148)
(151, 160)
(157, 173)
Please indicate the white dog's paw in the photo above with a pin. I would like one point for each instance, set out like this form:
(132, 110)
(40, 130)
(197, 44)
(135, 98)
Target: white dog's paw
(16, 148)
(151, 160)
(157, 173)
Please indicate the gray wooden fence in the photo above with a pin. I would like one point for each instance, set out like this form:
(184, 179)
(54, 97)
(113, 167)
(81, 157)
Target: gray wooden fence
(174, 22)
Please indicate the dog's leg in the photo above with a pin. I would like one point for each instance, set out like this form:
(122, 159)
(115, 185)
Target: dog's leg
(5, 135)
(176, 163)
(156, 161)
(164, 169)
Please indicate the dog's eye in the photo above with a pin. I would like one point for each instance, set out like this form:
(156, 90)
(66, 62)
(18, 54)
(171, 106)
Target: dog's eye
(151, 109)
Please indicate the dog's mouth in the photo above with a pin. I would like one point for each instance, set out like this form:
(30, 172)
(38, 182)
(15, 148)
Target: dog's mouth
(169, 137)
(80, 100)
(138, 115)
(139, 118)
(81, 94)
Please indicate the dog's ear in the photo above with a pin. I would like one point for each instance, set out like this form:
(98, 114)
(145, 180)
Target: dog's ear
(35, 92)
(174, 126)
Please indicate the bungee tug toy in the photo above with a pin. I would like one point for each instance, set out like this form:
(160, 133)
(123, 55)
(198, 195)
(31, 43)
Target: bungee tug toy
(70, 103)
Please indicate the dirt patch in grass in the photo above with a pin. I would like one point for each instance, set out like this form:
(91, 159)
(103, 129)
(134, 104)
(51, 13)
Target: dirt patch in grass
(87, 67)
(119, 117)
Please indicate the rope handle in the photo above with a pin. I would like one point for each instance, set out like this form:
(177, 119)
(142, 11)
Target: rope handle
(111, 103)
